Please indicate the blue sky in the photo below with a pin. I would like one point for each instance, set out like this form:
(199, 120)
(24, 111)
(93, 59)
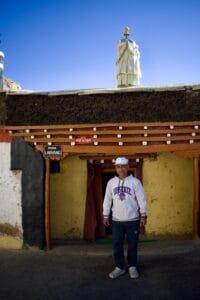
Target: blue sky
(72, 44)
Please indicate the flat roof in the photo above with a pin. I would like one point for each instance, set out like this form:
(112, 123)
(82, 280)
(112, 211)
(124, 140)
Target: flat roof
(134, 104)
(178, 87)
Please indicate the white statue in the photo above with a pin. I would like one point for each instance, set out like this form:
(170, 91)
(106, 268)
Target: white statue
(128, 62)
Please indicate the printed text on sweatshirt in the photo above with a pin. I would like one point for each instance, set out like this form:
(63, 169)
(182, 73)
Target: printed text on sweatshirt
(126, 196)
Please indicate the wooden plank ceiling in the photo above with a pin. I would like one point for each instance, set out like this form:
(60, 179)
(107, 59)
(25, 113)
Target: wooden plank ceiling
(115, 138)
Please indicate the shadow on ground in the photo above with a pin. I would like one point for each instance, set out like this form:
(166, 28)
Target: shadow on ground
(79, 270)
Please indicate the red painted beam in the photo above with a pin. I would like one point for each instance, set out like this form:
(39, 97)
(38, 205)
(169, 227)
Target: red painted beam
(5, 137)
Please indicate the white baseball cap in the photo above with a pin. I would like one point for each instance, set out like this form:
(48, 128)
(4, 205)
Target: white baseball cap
(121, 161)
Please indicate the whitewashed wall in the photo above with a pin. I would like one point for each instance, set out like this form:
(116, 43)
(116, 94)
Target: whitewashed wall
(10, 191)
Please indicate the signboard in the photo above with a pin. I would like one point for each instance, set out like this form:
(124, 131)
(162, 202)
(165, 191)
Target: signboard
(83, 140)
(52, 151)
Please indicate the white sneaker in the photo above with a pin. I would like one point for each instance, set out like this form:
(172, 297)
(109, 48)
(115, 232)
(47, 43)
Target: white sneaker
(116, 272)
(133, 273)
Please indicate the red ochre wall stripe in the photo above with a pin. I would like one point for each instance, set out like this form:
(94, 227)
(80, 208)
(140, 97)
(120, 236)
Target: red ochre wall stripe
(5, 136)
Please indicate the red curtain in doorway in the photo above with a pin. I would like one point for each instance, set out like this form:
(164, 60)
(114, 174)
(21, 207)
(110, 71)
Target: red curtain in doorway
(94, 227)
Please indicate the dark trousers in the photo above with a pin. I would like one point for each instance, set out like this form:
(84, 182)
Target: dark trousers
(131, 230)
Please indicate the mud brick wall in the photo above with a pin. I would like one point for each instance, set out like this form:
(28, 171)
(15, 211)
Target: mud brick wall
(136, 106)
(3, 113)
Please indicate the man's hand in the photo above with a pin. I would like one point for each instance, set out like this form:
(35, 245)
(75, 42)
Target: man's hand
(106, 221)
(143, 221)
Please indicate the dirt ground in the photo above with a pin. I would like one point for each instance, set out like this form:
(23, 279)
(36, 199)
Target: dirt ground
(79, 270)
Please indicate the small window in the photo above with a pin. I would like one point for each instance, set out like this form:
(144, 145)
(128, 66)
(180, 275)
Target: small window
(55, 166)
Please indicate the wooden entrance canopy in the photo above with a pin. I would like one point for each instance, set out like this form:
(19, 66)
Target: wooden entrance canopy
(114, 138)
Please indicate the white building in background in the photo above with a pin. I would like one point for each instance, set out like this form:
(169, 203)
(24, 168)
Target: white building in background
(6, 83)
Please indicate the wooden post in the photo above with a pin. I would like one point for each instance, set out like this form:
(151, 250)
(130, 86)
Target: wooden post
(47, 203)
(196, 198)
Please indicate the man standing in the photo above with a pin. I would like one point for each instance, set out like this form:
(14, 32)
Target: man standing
(129, 211)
